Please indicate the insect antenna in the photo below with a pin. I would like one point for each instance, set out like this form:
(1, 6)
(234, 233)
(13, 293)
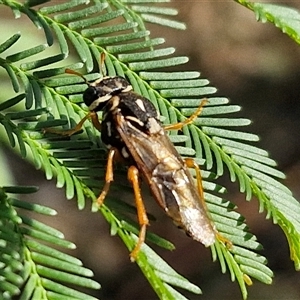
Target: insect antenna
(102, 68)
(70, 71)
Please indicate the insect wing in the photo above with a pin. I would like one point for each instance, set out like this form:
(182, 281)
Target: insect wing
(168, 177)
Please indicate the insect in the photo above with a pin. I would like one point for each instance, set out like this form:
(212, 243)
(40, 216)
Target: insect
(133, 133)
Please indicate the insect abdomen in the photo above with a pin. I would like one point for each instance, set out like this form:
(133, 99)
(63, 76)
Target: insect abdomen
(182, 202)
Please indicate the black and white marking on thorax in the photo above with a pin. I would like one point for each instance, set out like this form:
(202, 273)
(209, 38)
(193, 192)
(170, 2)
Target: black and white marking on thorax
(139, 114)
(114, 96)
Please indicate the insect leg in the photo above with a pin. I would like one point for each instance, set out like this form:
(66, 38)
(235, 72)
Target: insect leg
(189, 120)
(95, 120)
(190, 163)
(133, 177)
(109, 175)
(91, 115)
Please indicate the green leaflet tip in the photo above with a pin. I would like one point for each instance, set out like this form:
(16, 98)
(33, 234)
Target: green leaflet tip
(72, 246)
(95, 207)
(52, 212)
(81, 206)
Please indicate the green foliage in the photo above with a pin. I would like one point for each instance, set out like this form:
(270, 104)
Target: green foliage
(30, 264)
(118, 28)
(285, 18)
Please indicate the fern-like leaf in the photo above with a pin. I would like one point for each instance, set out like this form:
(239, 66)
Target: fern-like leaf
(30, 268)
(285, 18)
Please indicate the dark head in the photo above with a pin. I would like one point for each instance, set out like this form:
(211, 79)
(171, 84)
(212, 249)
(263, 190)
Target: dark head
(100, 91)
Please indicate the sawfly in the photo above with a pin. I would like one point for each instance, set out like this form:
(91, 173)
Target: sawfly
(133, 133)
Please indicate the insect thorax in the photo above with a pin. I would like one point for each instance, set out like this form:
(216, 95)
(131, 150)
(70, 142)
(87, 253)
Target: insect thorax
(114, 96)
(137, 111)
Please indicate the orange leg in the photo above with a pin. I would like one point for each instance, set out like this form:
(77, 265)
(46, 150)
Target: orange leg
(109, 175)
(91, 115)
(133, 177)
(95, 120)
(190, 163)
(189, 120)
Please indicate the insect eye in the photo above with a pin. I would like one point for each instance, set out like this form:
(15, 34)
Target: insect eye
(90, 95)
